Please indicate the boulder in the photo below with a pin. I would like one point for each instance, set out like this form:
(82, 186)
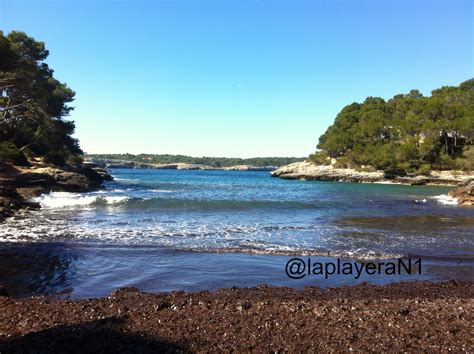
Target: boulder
(80, 179)
(17, 186)
(464, 193)
(103, 173)
(11, 201)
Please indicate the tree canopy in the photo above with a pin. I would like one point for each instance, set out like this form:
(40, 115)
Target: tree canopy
(33, 103)
(409, 131)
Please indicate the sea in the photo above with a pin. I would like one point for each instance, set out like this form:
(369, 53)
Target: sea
(193, 230)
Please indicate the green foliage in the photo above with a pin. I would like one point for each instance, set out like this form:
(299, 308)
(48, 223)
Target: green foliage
(75, 160)
(55, 158)
(410, 131)
(33, 103)
(320, 158)
(10, 153)
(424, 169)
(210, 161)
(344, 162)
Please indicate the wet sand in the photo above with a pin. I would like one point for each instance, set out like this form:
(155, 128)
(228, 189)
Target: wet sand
(416, 316)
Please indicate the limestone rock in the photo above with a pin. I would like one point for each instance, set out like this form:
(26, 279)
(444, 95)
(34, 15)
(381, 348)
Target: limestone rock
(464, 193)
(309, 171)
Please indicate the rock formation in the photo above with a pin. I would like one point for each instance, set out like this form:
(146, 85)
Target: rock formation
(464, 193)
(18, 185)
(309, 171)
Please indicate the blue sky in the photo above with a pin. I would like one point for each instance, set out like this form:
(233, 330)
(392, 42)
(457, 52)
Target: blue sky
(238, 78)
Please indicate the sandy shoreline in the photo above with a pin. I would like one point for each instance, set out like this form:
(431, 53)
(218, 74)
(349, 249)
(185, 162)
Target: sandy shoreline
(415, 316)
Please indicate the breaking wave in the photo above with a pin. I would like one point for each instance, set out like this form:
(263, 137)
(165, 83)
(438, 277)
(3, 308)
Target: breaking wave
(66, 200)
(446, 199)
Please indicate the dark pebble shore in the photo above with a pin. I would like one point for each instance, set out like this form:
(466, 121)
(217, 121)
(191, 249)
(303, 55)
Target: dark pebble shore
(415, 316)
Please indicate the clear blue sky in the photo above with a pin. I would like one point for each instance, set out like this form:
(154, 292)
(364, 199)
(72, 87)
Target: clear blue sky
(238, 78)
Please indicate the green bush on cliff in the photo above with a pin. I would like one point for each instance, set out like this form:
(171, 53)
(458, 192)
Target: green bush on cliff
(10, 153)
(408, 131)
(424, 169)
(320, 158)
(55, 158)
(74, 160)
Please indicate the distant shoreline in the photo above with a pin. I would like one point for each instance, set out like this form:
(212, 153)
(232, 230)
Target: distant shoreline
(189, 162)
(18, 186)
(111, 163)
(312, 172)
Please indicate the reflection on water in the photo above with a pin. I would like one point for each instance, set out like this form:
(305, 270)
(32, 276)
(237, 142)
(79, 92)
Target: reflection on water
(408, 222)
(89, 270)
(34, 269)
(434, 236)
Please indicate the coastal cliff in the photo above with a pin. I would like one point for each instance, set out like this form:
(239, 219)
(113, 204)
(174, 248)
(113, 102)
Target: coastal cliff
(309, 171)
(19, 184)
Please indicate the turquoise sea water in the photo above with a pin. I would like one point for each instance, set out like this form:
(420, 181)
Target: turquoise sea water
(194, 230)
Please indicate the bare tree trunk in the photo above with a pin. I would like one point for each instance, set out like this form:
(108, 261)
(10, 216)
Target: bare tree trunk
(446, 142)
(26, 146)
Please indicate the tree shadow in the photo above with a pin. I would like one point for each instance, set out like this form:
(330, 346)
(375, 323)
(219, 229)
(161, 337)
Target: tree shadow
(102, 336)
(7, 169)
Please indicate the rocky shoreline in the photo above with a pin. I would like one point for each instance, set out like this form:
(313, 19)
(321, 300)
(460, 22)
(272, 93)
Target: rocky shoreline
(464, 194)
(312, 172)
(18, 185)
(414, 317)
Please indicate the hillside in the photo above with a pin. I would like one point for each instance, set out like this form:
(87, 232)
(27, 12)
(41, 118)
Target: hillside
(409, 132)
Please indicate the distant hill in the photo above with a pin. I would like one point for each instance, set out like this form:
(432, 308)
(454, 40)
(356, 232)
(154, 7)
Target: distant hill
(209, 161)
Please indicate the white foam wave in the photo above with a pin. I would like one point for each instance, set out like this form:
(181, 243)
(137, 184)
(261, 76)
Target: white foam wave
(386, 182)
(446, 199)
(125, 179)
(65, 199)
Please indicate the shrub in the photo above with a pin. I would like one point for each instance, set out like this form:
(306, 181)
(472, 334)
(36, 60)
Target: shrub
(75, 160)
(10, 153)
(320, 158)
(464, 164)
(55, 158)
(445, 162)
(404, 166)
(344, 162)
(424, 169)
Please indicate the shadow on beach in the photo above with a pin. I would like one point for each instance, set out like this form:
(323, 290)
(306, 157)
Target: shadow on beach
(100, 336)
